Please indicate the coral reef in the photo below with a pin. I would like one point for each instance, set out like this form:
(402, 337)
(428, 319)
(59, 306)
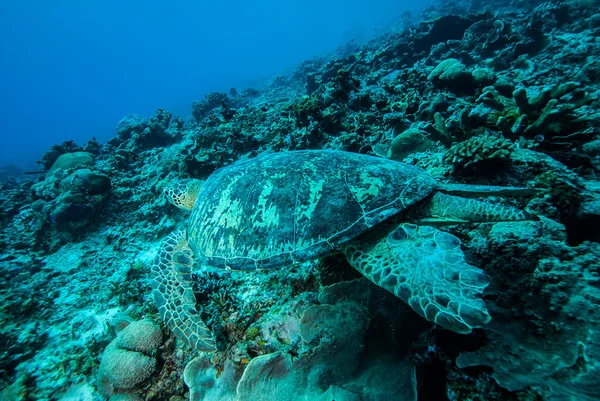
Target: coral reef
(486, 92)
(336, 351)
(552, 326)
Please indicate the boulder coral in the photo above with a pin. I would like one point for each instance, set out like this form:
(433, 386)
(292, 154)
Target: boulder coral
(408, 142)
(69, 161)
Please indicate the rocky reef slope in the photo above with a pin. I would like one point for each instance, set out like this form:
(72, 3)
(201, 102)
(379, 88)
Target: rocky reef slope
(501, 93)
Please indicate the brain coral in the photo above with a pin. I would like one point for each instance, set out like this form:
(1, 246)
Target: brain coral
(122, 370)
(142, 336)
(129, 359)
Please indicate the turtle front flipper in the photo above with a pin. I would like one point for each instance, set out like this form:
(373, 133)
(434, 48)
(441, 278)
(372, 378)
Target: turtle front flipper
(426, 268)
(173, 293)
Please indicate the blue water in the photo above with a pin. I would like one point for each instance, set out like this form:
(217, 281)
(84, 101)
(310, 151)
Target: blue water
(73, 69)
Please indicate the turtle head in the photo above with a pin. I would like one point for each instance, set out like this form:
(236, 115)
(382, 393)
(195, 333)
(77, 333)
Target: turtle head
(183, 193)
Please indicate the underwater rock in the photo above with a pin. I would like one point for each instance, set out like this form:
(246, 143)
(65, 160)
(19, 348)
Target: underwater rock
(343, 85)
(452, 74)
(74, 201)
(199, 376)
(50, 157)
(201, 108)
(276, 386)
(504, 85)
(86, 181)
(206, 384)
(543, 305)
(483, 76)
(69, 210)
(69, 161)
(335, 393)
(79, 392)
(443, 29)
(410, 141)
(332, 368)
(592, 148)
(488, 38)
(130, 125)
(342, 362)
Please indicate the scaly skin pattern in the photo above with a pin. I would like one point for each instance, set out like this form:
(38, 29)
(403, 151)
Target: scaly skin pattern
(287, 207)
(183, 193)
(426, 268)
(173, 293)
(440, 208)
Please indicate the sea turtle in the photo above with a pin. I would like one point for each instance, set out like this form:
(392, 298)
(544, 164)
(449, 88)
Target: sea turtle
(283, 208)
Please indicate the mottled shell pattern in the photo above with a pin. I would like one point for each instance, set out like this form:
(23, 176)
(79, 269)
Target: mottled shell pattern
(288, 207)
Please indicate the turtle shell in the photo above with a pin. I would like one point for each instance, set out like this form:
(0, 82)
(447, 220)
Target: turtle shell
(288, 207)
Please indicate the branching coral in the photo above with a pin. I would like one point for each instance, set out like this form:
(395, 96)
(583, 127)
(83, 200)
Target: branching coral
(478, 150)
(551, 112)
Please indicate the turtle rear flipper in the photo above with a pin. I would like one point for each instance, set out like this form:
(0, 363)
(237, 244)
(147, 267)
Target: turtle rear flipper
(441, 209)
(173, 293)
(426, 268)
(472, 191)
